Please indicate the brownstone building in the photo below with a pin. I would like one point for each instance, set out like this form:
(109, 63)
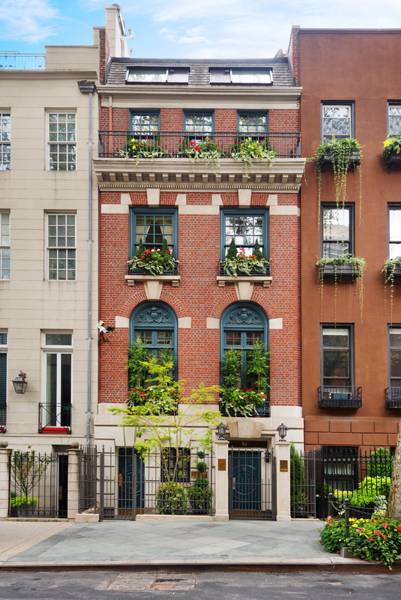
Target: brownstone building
(350, 328)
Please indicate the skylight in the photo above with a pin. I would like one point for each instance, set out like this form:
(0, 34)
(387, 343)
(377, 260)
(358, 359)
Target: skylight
(157, 75)
(241, 76)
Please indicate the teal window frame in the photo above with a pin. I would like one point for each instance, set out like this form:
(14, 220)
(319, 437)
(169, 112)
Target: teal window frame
(160, 211)
(187, 112)
(253, 113)
(144, 112)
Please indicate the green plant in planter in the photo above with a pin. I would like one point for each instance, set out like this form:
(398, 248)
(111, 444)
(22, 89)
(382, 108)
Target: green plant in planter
(337, 262)
(340, 154)
(23, 501)
(200, 496)
(390, 268)
(142, 148)
(250, 150)
(238, 263)
(159, 393)
(391, 147)
(156, 261)
(200, 149)
(172, 499)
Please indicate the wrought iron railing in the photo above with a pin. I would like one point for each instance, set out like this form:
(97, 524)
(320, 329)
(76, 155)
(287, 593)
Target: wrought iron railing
(17, 61)
(166, 144)
(54, 417)
(339, 397)
(393, 397)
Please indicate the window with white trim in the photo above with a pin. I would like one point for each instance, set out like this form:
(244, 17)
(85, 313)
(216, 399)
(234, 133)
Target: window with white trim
(5, 141)
(61, 246)
(4, 245)
(56, 407)
(62, 141)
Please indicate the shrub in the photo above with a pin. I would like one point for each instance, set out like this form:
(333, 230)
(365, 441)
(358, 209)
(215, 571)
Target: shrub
(369, 489)
(200, 496)
(333, 535)
(380, 464)
(19, 501)
(172, 499)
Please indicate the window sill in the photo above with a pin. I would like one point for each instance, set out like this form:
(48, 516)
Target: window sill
(173, 279)
(55, 430)
(265, 280)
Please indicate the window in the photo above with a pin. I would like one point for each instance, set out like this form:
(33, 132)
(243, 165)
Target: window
(395, 231)
(155, 324)
(337, 121)
(242, 325)
(340, 467)
(5, 141)
(61, 246)
(157, 75)
(245, 227)
(252, 123)
(176, 465)
(394, 118)
(144, 122)
(337, 227)
(395, 357)
(198, 122)
(336, 357)
(62, 141)
(151, 227)
(249, 76)
(3, 379)
(56, 408)
(4, 245)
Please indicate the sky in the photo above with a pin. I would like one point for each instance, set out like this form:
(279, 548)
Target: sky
(187, 28)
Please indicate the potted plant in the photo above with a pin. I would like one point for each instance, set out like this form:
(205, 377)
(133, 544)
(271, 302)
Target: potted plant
(250, 149)
(237, 263)
(346, 266)
(172, 499)
(23, 506)
(392, 151)
(142, 148)
(200, 149)
(155, 261)
(392, 270)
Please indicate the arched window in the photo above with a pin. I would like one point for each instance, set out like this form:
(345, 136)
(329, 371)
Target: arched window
(242, 325)
(155, 324)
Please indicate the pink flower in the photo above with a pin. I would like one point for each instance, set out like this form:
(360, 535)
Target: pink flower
(399, 528)
(377, 532)
(371, 539)
(385, 525)
(147, 251)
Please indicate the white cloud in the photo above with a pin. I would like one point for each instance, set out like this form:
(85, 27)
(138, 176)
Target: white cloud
(27, 20)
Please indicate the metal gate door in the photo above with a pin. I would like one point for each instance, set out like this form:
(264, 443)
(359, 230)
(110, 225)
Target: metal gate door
(251, 484)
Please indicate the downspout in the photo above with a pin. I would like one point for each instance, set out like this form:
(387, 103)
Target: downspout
(89, 87)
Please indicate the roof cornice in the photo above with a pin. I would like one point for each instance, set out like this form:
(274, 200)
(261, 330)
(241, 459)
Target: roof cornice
(37, 74)
(200, 91)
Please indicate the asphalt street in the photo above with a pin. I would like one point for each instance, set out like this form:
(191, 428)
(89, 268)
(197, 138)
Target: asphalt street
(205, 585)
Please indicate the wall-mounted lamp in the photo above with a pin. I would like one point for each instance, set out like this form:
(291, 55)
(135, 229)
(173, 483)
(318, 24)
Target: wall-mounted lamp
(20, 383)
(282, 431)
(268, 455)
(222, 431)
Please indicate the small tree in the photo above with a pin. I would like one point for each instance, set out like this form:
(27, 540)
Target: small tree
(232, 250)
(138, 358)
(257, 367)
(257, 251)
(27, 469)
(394, 501)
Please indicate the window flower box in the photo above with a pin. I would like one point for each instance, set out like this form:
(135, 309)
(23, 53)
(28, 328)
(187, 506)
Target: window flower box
(345, 268)
(392, 270)
(392, 152)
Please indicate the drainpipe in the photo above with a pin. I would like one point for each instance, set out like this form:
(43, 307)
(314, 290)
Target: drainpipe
(89, 88)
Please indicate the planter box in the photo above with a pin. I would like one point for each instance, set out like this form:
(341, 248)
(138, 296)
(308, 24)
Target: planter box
(393, 161)
(396, 274)
(55, 430)
(339, 273)
(355, 160)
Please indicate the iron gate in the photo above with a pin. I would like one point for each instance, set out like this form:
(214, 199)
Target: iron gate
(252, 483)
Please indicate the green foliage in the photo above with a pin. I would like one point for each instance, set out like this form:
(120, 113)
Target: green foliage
(232, 250)
(202, 149)
(172, 499)
(389, 269)
(380, 463)
(27, 469)
(231, 369)
(340, 155)
(200, 496)
(22, 501)
(376, 539)
(138, 357)
(250, 150)
(201, 466)
(238, 263)
(156, 261)
(356, 262)
(159, 393)
(257, 251)
(369, 489)
(258, 367)
(392, 147)
(142, 148)
(298, 499)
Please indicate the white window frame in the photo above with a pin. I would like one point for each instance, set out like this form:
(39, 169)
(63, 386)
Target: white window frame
(5, 246)
(56, 111)
(5, 166)
(59, 351)
(48, 248)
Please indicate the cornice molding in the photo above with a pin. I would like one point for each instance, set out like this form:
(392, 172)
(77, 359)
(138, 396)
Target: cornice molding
(25, 74)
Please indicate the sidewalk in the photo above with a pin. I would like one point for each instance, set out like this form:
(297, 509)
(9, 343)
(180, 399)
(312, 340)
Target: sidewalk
(147, 543)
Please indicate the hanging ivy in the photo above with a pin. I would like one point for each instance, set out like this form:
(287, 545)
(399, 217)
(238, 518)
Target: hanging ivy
(391, 270)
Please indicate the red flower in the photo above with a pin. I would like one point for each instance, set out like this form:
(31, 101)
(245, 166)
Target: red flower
(377, 532)
(142, 394)
(371, 539)
(399, 528)
(168, 251)
(385, 525)
(135, 390)
(147, 251)
(142, 256)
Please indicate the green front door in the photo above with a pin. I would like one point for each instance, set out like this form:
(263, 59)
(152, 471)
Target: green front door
(131, 485)
(245, 481)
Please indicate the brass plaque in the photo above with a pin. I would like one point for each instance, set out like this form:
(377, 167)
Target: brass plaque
(284, 466)
(222, 464)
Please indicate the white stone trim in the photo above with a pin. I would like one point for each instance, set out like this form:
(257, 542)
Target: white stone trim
(184, 323)
(212, 323)
(285, 211)
(216, 200)
(153, 196)
(153, 289)
(121, 322)
(244, 197)
(181, 200)
(272, 200)
(114, 209)
(199, 209)
(125, 199)
(276, 323)
(244, 290)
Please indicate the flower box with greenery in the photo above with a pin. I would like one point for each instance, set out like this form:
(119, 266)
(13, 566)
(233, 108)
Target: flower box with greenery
(143, 148)
(200, 149)
(341, 268)
(249, 402)
(392, 151)
(237, 263)
(392, 270)
(250, 150)
(339, 156)
(154, 261)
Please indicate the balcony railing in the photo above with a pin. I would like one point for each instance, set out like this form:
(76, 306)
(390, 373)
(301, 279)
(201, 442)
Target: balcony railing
(339, 397)
(20, 61)
(3, 419)
(54, 419)
(393, 397)
(118, 144)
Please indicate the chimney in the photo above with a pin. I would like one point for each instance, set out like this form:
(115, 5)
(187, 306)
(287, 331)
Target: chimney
(116, 34)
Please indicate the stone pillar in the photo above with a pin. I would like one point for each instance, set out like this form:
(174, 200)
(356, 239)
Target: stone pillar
(73, 483)
(283, 492)
(4, 480)
(220, 448)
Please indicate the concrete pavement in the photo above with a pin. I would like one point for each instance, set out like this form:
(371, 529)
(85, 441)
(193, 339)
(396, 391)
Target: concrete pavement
(15, 537)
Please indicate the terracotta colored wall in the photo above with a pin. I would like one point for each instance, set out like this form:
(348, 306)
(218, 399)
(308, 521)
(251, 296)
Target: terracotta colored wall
(363, 68)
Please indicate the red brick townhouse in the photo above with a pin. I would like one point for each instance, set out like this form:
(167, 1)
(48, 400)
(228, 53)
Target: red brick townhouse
(351, 321)
(177, 172)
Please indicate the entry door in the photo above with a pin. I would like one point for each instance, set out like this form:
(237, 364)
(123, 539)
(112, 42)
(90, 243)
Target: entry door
(62, 486)
(246, 481)
(131, 484)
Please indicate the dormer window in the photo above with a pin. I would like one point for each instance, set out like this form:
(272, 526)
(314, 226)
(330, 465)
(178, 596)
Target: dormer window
(242, 76)
(157, 75)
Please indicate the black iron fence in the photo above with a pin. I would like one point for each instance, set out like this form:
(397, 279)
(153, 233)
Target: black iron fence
(340, 397)
(53, 417)
(393, 397)
(163, 144)
(119, 484)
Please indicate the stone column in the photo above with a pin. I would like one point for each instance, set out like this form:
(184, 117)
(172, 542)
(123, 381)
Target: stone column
(4, 479)
(73, 483)
(283, 491)
(220, 448)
